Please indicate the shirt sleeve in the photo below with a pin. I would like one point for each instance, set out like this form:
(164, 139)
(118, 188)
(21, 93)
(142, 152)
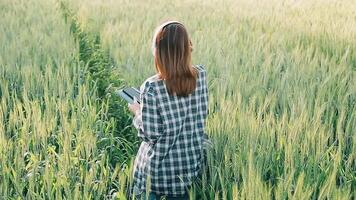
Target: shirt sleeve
(205, 107)
(205, 95)
(147, 119)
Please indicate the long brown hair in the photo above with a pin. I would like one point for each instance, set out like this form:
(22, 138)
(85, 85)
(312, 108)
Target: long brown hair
(172, 57)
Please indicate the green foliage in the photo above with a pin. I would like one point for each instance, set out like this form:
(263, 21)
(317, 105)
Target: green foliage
(101, 68)
(281, 83)
(56, 135)
(282, 113)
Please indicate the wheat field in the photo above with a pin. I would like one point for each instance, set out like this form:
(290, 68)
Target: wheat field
(282, 95)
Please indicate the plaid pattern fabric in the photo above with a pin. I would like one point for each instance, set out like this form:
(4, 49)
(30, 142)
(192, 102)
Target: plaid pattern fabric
(173, 132)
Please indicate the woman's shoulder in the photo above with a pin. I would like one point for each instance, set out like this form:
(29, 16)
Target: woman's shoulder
(150, 84)
(152, 79)
(200, 67)
(201, 71)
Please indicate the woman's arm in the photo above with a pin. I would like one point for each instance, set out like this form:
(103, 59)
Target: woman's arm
(147, 118)
(205, 106)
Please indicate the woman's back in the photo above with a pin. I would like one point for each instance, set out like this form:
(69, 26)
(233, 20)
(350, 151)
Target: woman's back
(172, 129)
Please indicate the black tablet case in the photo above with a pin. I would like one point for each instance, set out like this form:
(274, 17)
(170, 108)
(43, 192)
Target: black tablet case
(129, 93)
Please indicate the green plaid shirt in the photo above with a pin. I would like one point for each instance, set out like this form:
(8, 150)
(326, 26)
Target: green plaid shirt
(173, 132)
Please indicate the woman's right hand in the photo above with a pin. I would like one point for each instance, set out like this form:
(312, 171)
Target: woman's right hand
(134, 107)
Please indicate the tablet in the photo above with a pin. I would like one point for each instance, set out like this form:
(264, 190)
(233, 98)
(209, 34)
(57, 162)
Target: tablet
(129, 93)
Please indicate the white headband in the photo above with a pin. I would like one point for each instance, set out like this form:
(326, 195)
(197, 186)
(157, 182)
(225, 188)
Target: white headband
(158, 29)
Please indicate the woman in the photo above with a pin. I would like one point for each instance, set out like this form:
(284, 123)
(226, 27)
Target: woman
(171, 118)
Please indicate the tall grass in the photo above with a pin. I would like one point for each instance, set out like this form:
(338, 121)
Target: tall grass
(282, 88)
(282, 94)
(100, 67)
(50, 118)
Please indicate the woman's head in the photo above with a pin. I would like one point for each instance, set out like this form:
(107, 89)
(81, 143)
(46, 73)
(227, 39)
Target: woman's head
(172, 56)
